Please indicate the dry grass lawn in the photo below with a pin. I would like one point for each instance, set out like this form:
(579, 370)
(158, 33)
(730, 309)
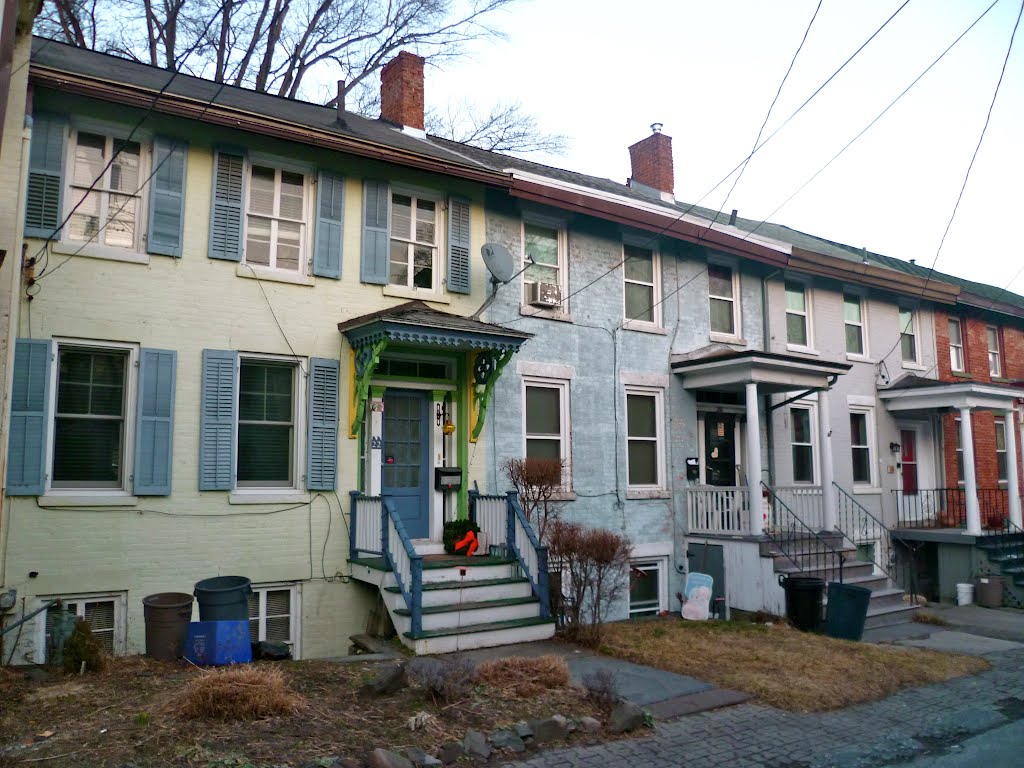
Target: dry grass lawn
(781, 666)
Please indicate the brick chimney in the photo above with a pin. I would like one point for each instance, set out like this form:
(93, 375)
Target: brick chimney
(651, 160)
(401, 90)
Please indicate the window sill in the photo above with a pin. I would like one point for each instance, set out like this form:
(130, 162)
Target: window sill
(642, 327)
(96, 251)
(273, 275)
(725, 338)
(268, 497)
(564, 496)
(422, 294)
(1000, 380)
(913, 366)
(79, 499)
(647, 493)
(866, 490)
(801, 349)
(528, 310)
(962, 375)
(855, 358)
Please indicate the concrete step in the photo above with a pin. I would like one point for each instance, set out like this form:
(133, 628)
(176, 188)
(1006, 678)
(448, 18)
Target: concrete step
(455, 616)
(886, 596)
(480, 636)
(851, 570)
(868, 580)
(887, 615)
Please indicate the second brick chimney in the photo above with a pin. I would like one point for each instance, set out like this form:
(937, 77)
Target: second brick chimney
(401, 90)
(651, 160)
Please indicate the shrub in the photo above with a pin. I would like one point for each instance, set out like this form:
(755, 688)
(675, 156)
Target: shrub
(454, 530)
(602, 689)
(524, 678)
(445, 680)
(537, 482)
(82, 647)
(240, 693)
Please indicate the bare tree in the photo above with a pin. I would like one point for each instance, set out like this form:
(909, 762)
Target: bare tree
(539, 484)
(505, 127)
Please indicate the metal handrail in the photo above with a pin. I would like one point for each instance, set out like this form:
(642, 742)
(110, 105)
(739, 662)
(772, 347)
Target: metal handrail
(413, 593)
(802, 545)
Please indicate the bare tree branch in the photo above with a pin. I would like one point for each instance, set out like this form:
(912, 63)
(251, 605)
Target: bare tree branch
(503, 128)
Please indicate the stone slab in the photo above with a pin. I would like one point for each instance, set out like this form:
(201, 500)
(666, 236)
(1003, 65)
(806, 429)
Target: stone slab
(639, 684)
(961, 642)
(680, 706)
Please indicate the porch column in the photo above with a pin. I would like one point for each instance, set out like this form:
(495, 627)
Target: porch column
(1012, 483)
(828, 496)
(374, 447)
(754, 460)
(970, 480)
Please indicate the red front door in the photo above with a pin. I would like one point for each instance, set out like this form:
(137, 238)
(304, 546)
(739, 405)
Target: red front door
(908, 461)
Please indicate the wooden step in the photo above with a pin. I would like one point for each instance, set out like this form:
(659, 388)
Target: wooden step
(470, 606)
(479, 635)
(439, 617)
(451, 592)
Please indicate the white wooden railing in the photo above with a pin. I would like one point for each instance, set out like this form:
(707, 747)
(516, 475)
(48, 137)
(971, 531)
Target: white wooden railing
(492, 517)
(804, 501)
(718, 509)
(406, 564)
(364, 525)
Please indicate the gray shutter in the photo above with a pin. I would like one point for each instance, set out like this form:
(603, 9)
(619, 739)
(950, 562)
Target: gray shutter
(30, 405)
(217, 420)
(167, 198)
(374, 267)
(226, 214)
(45, 168)
(154, 428)
(330, 191)
(322, 427)
(458, 245)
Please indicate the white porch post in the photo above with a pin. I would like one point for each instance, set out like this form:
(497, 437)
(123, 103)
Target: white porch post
(825, 439)
(1012, 484)
(970, 480)
(754, 460)
(374, 460)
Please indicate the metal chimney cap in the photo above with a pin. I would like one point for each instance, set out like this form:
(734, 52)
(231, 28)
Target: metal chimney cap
(656, 127)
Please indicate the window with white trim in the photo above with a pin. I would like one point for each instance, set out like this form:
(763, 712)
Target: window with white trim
(995, 352)
(641, 278)
(802, 441)
(956, 345)
(274, 614)
(93, 416)
(269, 410)
(1000, 425)
(723, 290)
(648, 586)
(798, 315)
(908, 336)
(861, 445)
(959, 453)
(105, 615)
(110, 213)
(276, 229)
(645, 449)
(853, 318)
(546, 421)
(546, 245)
(415, 228)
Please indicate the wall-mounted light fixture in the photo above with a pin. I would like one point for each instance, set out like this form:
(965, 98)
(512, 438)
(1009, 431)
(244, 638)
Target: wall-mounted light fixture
(894, 447)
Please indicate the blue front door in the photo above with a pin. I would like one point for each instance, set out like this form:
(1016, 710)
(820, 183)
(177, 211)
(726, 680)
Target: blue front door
(404, 476)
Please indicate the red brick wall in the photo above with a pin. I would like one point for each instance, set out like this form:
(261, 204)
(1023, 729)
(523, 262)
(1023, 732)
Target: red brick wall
(401, 90)
(651, 160)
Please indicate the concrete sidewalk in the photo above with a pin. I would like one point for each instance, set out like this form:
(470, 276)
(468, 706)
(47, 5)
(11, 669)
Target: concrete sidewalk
(969, 629)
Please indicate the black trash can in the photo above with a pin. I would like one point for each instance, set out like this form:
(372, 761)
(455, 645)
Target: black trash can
(224, 598)
(167, 617)
(847, 611)
(803, 601)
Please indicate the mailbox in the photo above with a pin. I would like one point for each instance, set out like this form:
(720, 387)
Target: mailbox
(692, 469)
(447, 478)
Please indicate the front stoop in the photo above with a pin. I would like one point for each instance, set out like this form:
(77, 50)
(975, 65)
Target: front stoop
(491, 604)
(1006, 553)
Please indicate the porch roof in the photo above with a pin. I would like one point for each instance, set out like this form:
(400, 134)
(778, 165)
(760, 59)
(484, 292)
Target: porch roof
(773, 372)
(914, 393)
(417, 323)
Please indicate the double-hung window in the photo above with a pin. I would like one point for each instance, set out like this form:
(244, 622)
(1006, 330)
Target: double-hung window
(798, 316)
(105, 191)
(546, 420)
(802, 444)
(644, 439)
(959, 452)
(545, 245)
(640, 276)
(860, 446)
(995, 354)
(908, 336)
(267, 412)
(414, 239)
(275, 224)
(956, 345)
(274, 615)
(648, 586)
(105, 615)
(1001, 450)
(853, 317)
(722, 298)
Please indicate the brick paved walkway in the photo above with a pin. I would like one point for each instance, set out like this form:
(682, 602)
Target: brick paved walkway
(913, 722)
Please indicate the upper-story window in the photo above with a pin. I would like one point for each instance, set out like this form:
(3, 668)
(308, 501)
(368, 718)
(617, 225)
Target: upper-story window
(546, 431)
(645, 450)
(802, 444)
(641, 279)
(267, 417)
(1001, 474)
(544, 281)
(995, 354)
(908, 336)
(956, 345)
(853, 317)
(275, 226)
(798, 315)
(723, 290)
(414, 230)
(107, 201)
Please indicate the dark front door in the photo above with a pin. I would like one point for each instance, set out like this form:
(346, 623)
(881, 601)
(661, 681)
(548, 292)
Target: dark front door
(908, 461)
(720, 449)
(404, 476)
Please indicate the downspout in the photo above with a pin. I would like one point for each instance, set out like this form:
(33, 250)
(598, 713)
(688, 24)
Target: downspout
(766, 331)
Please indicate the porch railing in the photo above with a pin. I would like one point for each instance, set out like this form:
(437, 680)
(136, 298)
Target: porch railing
(718, 509)
(805, 549)
(947, 507)
(806, 502)
(404, 561)
(364, 529)
(503, 520)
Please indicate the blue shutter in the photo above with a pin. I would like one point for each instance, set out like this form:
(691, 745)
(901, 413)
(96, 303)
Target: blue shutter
(45, 168)
(217, 420)
(226, 214)
(30, 405)
(330, 191)
(154, 428)
(374, 267)
(167, 198)
(458, 245)
(322, 427)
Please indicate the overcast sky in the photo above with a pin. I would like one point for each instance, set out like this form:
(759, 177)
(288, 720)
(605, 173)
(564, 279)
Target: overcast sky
(602, 71)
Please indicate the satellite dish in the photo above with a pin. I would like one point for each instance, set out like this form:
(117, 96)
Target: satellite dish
(499, 261)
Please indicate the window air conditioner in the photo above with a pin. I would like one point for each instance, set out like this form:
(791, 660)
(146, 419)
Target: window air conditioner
(544, 294)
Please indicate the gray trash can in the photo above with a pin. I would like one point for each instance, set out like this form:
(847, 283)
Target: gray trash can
(847, 611)
(167, 617)
(224, 598)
